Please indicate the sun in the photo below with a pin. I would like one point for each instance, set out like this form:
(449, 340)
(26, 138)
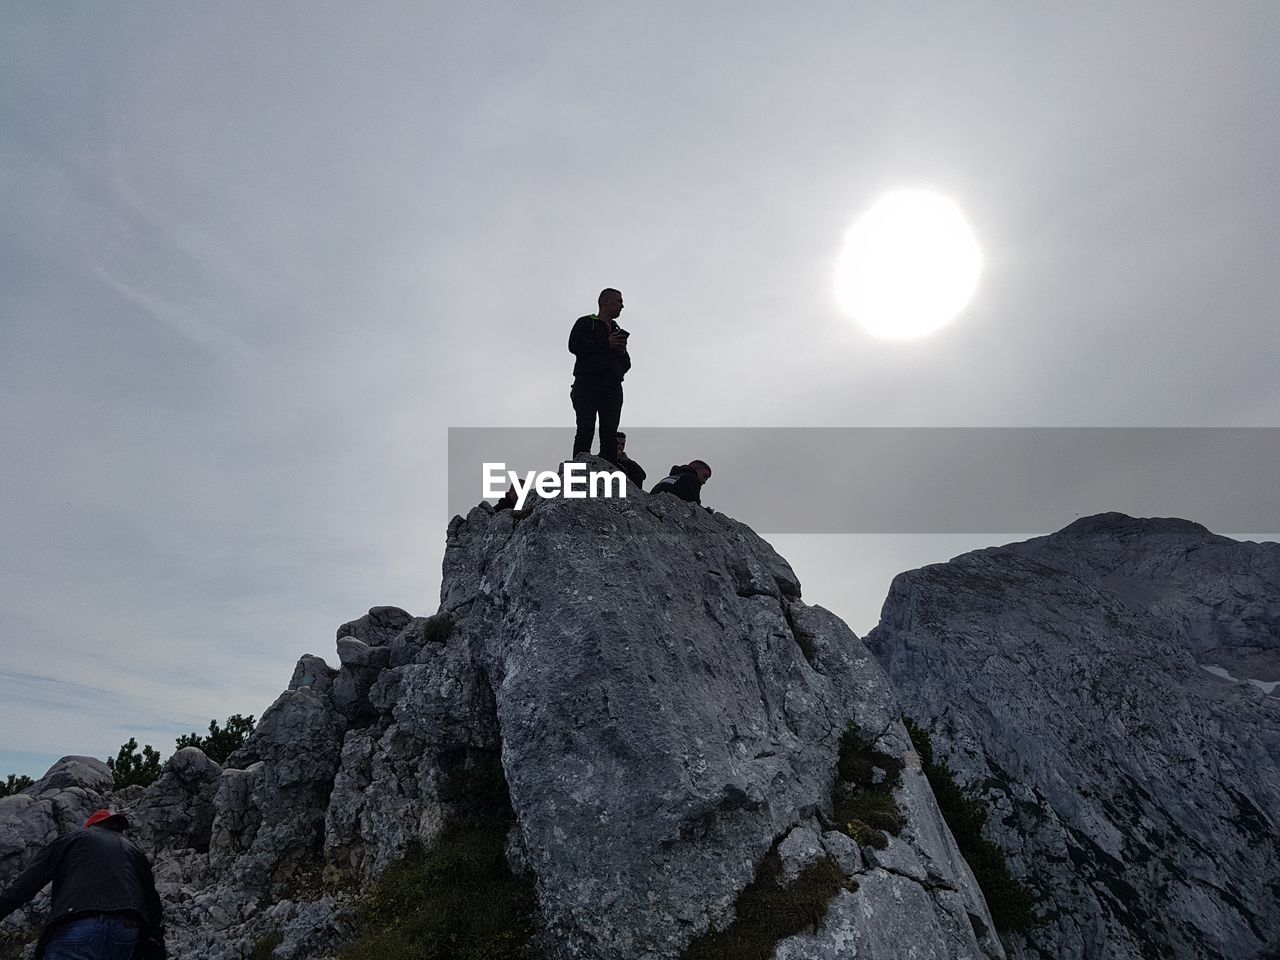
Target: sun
(909, 265)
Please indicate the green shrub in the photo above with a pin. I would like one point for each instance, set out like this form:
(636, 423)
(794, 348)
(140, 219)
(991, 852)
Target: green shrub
(221, 741)
(15, 783)
(1010, 902)
(129, 767)
(864, 809)
(767, 912)
(458, 900)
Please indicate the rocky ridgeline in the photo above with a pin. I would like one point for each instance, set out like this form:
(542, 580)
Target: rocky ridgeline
(1068, 679)
(666, 709)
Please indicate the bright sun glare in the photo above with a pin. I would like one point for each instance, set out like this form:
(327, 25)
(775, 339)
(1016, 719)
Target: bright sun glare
(909, 265)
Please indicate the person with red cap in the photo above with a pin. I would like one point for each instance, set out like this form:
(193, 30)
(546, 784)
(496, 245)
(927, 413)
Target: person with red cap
(104, 906)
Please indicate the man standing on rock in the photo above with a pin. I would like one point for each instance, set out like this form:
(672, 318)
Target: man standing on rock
(105, 905)
(601, 348)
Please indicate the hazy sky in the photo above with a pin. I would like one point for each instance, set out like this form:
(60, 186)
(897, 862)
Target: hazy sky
(258, 257)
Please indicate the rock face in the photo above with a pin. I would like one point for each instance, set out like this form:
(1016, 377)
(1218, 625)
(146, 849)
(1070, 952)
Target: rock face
(1074, 682)
(666, 709)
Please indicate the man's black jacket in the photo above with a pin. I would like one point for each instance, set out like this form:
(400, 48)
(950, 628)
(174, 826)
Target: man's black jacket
(95, 870)
(589, 342)
(683, 482)
(635, 473)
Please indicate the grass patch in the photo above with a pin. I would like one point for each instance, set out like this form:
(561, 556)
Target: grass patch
(863, 808)
(458, 900)
(767, 911)
(1009, 901)
(264, 946)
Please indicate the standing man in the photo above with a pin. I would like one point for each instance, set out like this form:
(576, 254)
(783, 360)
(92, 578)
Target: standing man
(601, 348)
(104, 904)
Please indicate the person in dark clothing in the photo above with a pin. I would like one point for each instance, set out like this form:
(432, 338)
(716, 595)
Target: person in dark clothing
(104, 903)
(635, 473)
(600, 346)
(507, 501)
(685, 482)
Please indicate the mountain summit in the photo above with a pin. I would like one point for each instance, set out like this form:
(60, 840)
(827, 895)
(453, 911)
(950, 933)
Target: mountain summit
(673, 749)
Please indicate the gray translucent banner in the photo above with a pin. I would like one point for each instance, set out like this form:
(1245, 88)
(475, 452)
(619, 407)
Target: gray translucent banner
(929, 480)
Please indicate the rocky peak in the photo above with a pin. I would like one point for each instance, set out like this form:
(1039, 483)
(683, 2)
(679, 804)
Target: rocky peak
(668, 714)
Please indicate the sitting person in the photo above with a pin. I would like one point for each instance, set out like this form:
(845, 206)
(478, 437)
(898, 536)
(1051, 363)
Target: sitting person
(685, 482)
(635, 473)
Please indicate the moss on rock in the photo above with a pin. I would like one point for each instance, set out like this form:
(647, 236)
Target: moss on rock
(767, 911)
(862, 800)
(459, 900)
(1009, 901)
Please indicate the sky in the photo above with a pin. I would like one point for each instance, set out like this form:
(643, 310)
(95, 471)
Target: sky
(258, 258)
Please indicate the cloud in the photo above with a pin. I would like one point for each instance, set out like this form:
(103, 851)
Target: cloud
(28, 689)
(198, 329)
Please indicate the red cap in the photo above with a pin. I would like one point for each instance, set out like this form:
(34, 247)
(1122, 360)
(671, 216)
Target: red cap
(102, 816)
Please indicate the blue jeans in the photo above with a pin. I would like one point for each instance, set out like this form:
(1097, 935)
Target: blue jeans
(94, 938)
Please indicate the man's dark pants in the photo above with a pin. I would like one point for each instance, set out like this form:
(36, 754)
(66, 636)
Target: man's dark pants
(592, 399)
(98, 937)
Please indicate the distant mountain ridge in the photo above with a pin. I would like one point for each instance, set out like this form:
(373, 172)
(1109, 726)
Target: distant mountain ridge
(1074, 681)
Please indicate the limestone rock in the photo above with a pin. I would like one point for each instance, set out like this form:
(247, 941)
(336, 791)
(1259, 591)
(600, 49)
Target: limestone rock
(1065, 680)
(86, 773)
(662, 722)
(666, 710)
(270, 815)
(378, 627)
(802, 847)
(176, 811)
(311, 671)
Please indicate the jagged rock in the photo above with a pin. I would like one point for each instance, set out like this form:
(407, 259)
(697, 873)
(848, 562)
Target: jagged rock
(311, 671)
(899, 858)
(844, 850)
(662, 722)
(177, 810)
(86, 773)
(802, 847)
(386, 793)
(408, 645)
(361, 664)
(378, 627)
(1064, 680)
(887, 917)
(665, 707)
(270, 815)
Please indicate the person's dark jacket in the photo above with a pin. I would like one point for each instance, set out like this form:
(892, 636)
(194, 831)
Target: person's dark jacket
(597, 361)
(94, 870)
(635, 473)
(683, 482)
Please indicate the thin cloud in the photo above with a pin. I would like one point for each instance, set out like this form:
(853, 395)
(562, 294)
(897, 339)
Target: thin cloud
(29, 689)
(198, 329)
